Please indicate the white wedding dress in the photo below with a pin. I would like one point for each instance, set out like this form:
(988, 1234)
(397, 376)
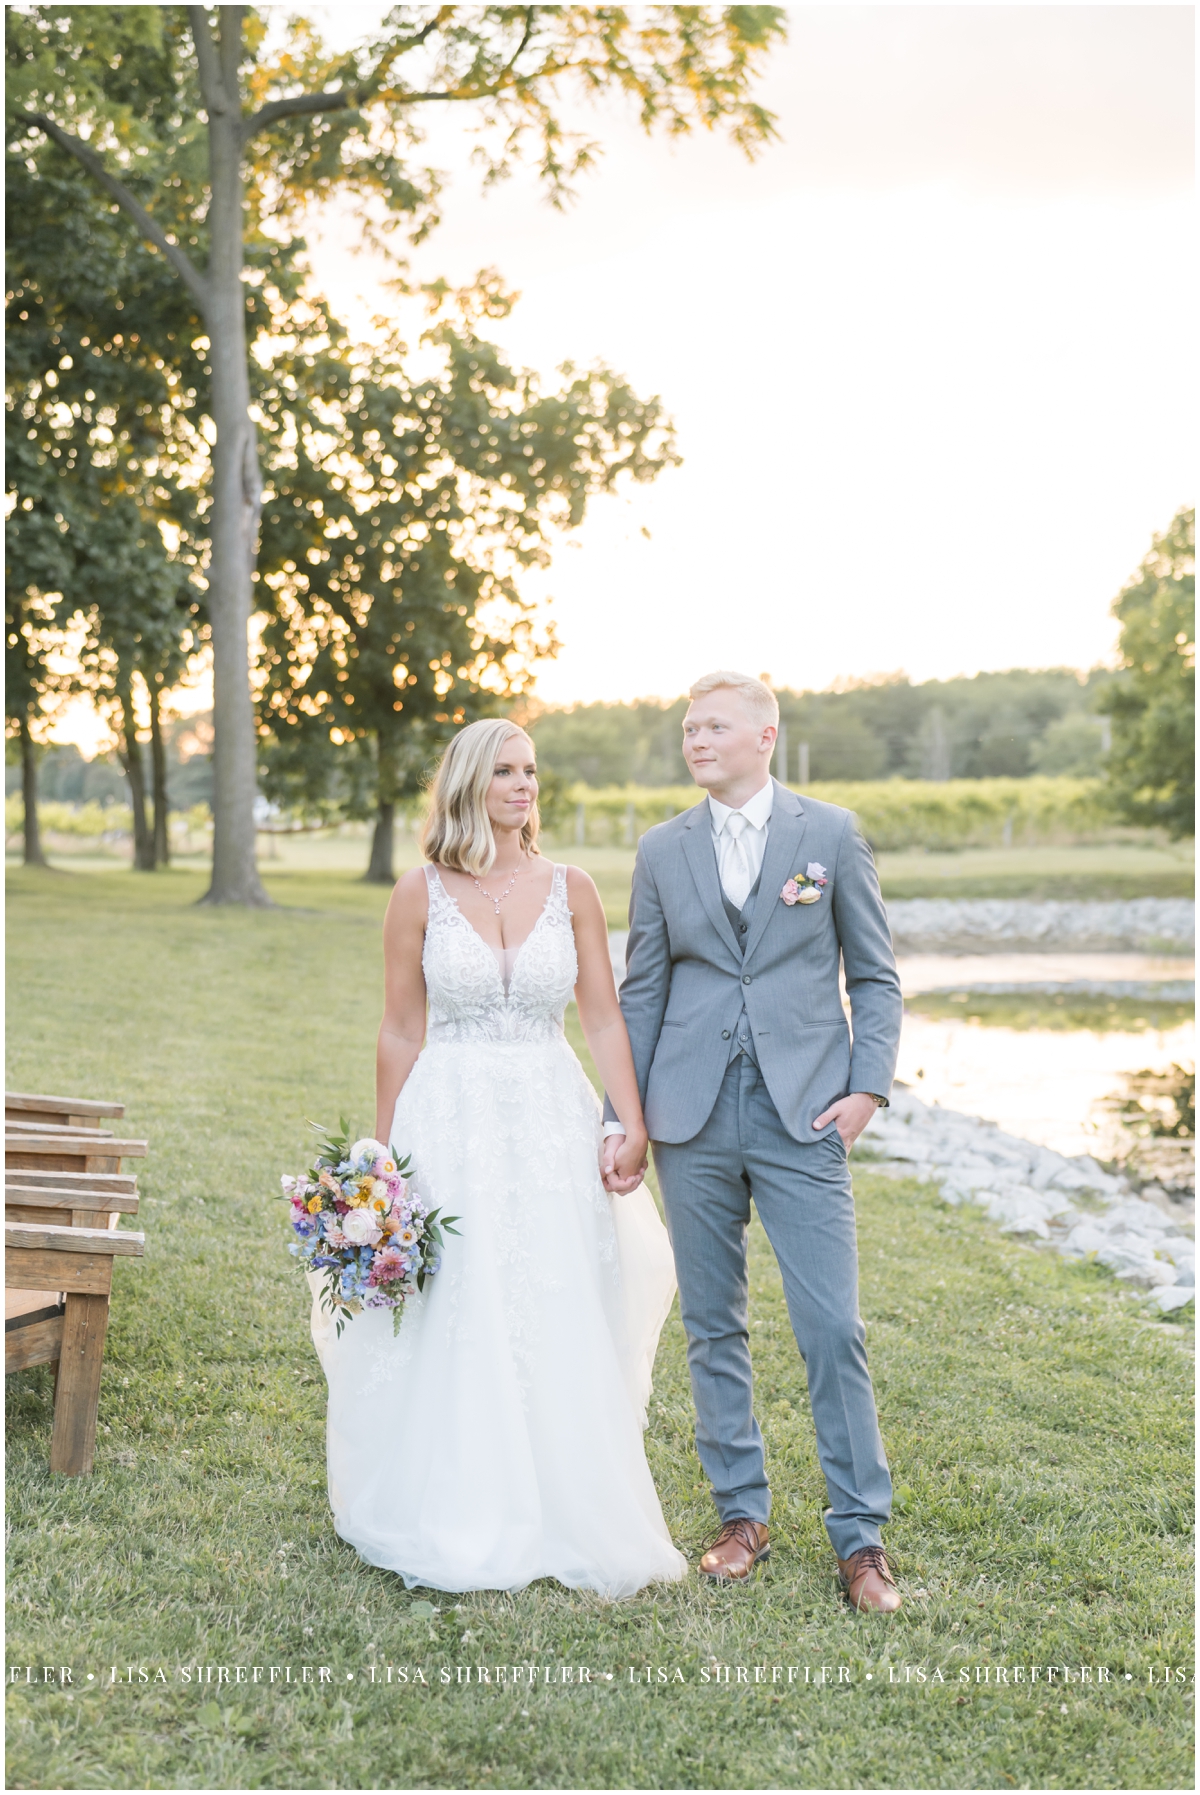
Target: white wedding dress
(498, 1437)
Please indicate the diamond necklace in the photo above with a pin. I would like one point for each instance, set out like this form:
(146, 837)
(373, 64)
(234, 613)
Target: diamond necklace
(491, 898)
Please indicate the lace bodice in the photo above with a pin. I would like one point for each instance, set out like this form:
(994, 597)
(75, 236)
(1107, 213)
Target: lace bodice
(468, 1000)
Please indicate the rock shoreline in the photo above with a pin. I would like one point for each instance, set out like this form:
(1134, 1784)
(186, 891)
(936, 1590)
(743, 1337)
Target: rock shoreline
(1071, 1205)
(996, 925)
(1003, 926)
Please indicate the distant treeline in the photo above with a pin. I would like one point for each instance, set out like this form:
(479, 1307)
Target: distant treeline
(65, 777)
(1005, 725)
(995, 725)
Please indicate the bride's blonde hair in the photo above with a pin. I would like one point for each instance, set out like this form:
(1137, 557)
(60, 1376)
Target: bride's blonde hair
(457, 831)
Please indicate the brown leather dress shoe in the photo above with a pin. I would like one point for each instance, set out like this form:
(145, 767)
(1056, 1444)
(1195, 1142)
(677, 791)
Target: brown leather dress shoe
(738, 1547)
(866, 1577)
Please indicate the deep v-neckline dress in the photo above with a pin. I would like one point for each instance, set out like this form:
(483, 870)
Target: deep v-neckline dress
(498, 1437)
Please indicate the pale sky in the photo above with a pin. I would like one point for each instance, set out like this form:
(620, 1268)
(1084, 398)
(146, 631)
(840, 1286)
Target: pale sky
(929, 357)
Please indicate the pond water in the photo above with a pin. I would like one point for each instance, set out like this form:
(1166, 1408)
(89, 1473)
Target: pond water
(1039, 1062)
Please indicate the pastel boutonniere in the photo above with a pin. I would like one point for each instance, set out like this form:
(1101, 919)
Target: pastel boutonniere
(805, 887)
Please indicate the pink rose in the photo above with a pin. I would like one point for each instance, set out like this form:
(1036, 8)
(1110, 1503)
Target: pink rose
(791, 892)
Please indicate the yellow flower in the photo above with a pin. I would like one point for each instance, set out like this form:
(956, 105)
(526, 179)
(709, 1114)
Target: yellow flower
(314, 1203)
(366, 1190)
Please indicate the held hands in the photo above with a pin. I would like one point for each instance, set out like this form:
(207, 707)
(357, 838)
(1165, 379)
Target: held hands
(623, 1161)
(851, 1115)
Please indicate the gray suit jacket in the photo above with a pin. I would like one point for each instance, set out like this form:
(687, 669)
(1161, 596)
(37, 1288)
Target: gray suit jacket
(687, 980)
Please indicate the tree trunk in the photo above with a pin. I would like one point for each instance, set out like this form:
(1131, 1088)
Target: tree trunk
(236, 499)
(158, 762)
(379, 872)
(29, 796)
(130, 754)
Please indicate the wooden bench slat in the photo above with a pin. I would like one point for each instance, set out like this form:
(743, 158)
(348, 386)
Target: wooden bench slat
(55, 1130)
(36, 1343)
(17, 1141)
(40, 1197)
(73, 1106)
(73, 1240)
(21, 1305)
(41, 1268)
(79, 1218)
(52, 1180)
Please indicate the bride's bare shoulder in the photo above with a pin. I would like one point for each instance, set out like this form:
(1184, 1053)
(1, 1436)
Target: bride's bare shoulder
(409, 902)
(582, 892)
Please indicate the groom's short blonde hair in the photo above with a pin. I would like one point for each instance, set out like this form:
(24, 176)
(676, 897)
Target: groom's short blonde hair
(759, 700)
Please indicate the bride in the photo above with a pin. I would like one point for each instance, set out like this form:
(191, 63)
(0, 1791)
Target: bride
(497, 1437)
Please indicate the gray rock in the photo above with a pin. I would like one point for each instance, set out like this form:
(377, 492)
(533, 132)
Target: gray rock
(1083, 1239)
(1174, 1296)
(943, 925)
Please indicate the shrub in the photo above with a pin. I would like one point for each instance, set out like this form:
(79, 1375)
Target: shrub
(89, 820)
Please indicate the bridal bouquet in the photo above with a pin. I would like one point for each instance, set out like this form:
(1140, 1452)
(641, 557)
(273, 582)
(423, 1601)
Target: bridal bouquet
(360, 1221)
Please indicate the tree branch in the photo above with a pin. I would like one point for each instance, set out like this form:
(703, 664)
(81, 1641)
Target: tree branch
(525, 37)
(207, 62)
(402, 49)
(153, 232)
(297, 103)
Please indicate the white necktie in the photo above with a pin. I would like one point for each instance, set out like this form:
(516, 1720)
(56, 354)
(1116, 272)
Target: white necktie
(736, 878)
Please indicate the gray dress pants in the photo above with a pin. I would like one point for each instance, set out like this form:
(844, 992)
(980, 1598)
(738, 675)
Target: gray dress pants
(805, 1203)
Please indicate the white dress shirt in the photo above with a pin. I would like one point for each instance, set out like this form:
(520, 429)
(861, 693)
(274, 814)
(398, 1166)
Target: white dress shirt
(735, 860)
(740, 850)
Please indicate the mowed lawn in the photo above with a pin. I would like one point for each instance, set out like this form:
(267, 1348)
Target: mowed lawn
(1039, 1432)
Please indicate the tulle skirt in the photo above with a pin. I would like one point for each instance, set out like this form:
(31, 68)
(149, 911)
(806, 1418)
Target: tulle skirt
(498, 1437)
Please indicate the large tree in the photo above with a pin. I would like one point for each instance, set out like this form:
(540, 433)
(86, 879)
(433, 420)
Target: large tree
(140, 96)
(402, 510)
(104, 394)
(1152, 767)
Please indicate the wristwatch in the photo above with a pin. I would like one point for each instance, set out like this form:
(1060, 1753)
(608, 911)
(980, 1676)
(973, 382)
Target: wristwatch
(879, 1102)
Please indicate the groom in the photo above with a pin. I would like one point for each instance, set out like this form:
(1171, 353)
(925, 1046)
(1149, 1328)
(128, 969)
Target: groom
(754, 1087)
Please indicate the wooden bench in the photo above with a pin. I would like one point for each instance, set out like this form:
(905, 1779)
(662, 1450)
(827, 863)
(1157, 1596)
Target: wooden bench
(63, 1175)
(76, 1264)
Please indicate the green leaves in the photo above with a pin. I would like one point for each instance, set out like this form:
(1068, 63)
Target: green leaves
(401, 512)
(1151, 769)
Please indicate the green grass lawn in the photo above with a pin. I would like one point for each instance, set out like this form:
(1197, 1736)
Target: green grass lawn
(1102, 873)
(1117, 870)
(1059, 1010)
(1038, 1431)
